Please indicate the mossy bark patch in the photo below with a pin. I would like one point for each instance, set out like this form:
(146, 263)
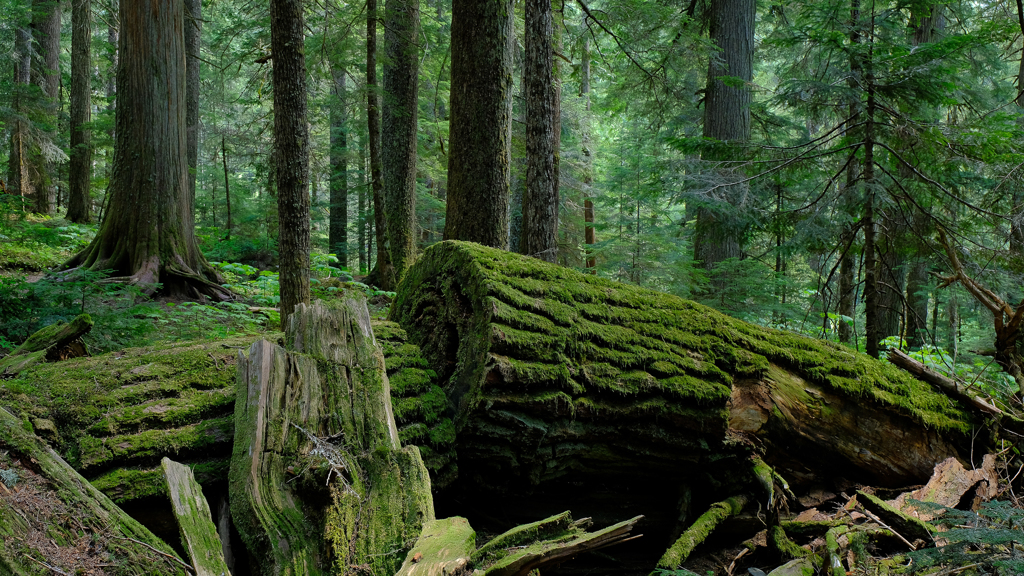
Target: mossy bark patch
(444, 547)
(195, 522)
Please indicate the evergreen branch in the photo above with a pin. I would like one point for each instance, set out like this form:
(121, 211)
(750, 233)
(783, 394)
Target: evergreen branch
(618, 41)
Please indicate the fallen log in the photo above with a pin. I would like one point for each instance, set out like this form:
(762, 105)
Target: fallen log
(570, 390)
(941, 381)
(58, 341)
(701, 529)
(50, 516)
(317, 475)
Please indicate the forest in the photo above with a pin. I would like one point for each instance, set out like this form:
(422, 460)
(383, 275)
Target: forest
(348, 287)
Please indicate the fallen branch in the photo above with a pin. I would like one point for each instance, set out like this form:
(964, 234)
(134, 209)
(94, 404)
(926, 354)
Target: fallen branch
(947, 385)
(164, 554)
(701, 528)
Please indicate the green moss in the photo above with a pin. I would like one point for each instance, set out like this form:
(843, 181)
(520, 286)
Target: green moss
(56, 334)
(699, 531)
(210, 435)
(441, 543)
(780, 543)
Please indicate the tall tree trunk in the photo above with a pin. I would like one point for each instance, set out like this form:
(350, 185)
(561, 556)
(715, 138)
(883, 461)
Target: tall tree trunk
(148, 233)
(80, 170)
(193, 45)
(383, 274)
(1017, 197)
(112, 39)
(399, 115)
(291, 149)
(46, 16)
(362, 216)
(227, 183)
(540, 201)
(337, 233)
(871, 304)
(19, 181)
(479, 153)
(589, 236)
(727, 119)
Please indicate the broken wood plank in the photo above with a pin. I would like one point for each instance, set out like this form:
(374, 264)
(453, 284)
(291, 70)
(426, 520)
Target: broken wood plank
(195, 522)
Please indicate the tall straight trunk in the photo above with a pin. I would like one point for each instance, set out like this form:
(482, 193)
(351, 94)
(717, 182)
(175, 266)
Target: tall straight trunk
(46, 16)
(851, 197)
(291, 150)
(399, 115)
(362, 216)
(479, 153)
(589, 235)
(148, 233)
(383, 274)
(112, 40)
(19, 181)
(337, 232)
(871, 297)
(1017, 197)
(727, 119)
(227, 184)
(193, 45)
(540, 201)
(80, 169)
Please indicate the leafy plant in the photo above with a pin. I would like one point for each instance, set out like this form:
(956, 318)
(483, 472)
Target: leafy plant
(990, 538)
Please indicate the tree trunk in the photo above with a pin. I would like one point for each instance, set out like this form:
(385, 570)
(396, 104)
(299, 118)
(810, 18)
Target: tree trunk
(361, 217)
(589, 235)
(227, 182)
(540, 201)
(148, 234)
(193, 47)
(46, 15)
(316, 441)
(80, 170)
(718, 232)
(383, 274)
(479, 153)
(337, 233)
(399, 115)
(291, 150)
(18, 173)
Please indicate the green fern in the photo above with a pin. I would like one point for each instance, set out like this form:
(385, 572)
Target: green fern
(990, 538)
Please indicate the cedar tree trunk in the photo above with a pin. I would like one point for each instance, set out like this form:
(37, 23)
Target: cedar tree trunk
(80, 170)
(18, 180)
(540, 202)
(193, 44)
(147, 236)
(291, 149)
(46, 16)
(383, 275)
(479, 154)
(401, 70)
(337, 240)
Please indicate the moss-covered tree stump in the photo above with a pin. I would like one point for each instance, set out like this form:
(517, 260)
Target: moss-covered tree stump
(55, 342)
(318, 477)
(581, 389)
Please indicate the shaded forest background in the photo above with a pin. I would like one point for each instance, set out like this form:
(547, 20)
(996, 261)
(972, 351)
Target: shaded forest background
(883, 140)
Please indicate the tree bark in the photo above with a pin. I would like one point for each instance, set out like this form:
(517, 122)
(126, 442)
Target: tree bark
(717, 234)
(148, 235)
(383, 274)
(80, 170)
(399, 115)
(589, 235)
(46, 15)
(337, 233)
(193, 46)
(227, 182)
(291, 150)
(539, 237)
(195, 521)
(18, 173)
(479, 152)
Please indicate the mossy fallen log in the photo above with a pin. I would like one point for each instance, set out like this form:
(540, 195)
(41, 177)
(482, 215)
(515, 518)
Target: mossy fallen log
(318, 477)
(55, 342)
(52, 520)
(558, 380)
(701, 529)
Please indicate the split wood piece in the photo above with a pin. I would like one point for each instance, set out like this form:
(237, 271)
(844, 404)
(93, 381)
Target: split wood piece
(907, 528)
(535, 531)
(942, 382)
(131, 545)
(948, 485)
(444, 548)
(832, 545)
(317, 472)
(700, 530)
(195, 522)
(537, 555)
(55, 342)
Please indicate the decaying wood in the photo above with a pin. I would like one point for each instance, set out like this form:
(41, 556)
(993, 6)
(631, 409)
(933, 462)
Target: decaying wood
(58, 341)
(907, 528)
(195, 521)
(941, 381)
(48, 511)
(317, 473)
(948, 485)
(701, 529)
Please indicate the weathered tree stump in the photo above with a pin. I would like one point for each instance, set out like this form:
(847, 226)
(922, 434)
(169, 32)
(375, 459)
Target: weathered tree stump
(318, 477)
(58, 341)
(195, 522)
